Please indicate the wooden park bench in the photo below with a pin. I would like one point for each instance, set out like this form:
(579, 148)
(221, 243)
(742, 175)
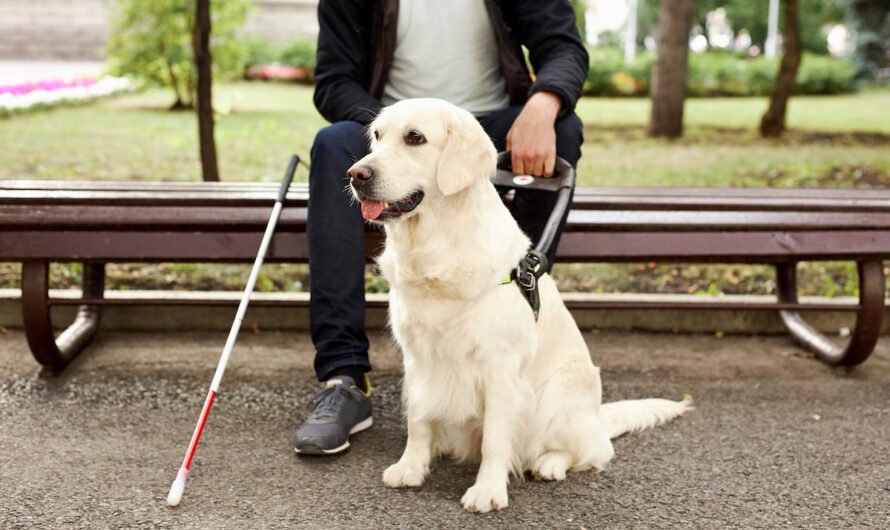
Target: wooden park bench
(100, 222)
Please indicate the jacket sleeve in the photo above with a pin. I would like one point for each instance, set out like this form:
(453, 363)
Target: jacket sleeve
(343, 61)
(556, 52)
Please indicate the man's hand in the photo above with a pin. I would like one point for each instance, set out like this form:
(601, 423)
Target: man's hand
(532, 137)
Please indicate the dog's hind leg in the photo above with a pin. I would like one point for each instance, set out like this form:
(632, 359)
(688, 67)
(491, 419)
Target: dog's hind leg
(414, 465)
(569, 434)
(552, 465)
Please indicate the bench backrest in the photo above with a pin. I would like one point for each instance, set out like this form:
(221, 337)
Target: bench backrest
(119, 221)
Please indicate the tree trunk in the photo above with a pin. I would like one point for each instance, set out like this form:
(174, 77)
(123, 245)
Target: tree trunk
(204, 62)
(773, 122)
(668, 90)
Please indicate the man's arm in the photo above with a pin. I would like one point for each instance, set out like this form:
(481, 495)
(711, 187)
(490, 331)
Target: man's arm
(560, 62)
(555, 49)
(343, 61)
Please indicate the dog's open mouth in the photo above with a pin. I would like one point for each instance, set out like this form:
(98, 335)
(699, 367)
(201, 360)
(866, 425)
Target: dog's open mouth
(377, 210)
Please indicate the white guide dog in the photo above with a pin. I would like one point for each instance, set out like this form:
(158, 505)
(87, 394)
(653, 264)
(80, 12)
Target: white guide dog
(483, 380)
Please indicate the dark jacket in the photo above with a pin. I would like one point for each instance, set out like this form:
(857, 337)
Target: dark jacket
(357, 38)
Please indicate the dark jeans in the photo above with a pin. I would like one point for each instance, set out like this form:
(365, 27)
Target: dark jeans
(336, 233)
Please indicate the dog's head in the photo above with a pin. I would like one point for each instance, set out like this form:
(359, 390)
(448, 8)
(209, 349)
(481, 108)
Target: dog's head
(419, 148)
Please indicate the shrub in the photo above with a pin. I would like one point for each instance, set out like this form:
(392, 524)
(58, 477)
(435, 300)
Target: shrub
(292, 60)
(819, 74)
(715, 73)
(299, 53)
(258, 51)
(298, 56)
(609, 75)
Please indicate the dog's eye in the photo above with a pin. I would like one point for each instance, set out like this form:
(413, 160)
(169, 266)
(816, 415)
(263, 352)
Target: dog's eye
(376, 135)
(414, 138)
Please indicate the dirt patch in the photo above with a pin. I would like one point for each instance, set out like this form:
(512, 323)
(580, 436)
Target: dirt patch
(847, 176)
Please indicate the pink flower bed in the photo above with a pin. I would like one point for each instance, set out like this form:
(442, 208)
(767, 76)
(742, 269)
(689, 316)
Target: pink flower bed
(23, 96)
(277, 71)
(25, 88)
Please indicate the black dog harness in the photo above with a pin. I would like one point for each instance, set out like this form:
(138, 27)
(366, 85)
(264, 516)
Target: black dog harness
(535, 264)
(526, 276)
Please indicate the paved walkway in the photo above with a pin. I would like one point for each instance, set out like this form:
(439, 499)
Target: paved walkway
(777, 440)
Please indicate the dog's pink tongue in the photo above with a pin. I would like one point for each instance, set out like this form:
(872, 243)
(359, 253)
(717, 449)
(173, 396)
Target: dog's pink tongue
(371, 209)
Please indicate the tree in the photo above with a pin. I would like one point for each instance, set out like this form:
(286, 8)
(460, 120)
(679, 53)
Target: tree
(204, 64)
(751, 16)
(668, 89)
(871, 23)
(153, 41)
(773, 122)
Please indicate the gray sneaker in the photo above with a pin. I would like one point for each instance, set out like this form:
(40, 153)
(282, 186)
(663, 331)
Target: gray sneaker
(339, 410)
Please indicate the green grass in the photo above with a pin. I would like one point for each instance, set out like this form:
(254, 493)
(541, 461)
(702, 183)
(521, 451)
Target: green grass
(133, 137)
(720, 147)
(866, 112)
(834, 141)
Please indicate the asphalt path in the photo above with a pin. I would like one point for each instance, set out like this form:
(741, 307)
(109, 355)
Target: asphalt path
(777, 440)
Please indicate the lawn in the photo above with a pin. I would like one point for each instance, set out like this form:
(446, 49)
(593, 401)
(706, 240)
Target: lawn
(132, 137)
(834, 141)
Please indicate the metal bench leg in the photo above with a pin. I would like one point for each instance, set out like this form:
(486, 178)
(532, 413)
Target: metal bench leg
(868, 324)
(55, 353)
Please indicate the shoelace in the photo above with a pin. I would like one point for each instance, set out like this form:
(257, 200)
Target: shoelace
(325, 403)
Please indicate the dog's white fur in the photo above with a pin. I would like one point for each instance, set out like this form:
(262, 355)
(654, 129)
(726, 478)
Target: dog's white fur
(483, 380)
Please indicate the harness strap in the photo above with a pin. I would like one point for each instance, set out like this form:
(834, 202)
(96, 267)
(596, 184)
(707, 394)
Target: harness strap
(526, 274)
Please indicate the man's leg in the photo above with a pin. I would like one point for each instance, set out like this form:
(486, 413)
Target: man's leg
(532, 208)
(336, 236)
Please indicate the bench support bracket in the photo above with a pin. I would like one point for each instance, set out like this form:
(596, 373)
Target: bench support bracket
(868, 323)
(55, 353)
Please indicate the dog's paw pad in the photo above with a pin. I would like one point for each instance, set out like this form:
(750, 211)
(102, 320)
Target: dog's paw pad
(550, 467)
(483, 498)
(401, 475)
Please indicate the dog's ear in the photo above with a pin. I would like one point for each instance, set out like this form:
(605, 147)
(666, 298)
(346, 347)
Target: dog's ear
(468, 154)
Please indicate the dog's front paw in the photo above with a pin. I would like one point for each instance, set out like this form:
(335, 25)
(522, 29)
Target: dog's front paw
(402, 474)
(485, 498)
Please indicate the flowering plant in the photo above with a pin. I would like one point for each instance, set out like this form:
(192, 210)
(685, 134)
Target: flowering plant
(40, 94)
(278, 71)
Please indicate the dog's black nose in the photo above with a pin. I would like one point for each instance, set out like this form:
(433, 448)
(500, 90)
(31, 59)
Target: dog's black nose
(360, 174)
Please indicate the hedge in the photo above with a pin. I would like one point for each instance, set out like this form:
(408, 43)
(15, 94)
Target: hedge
(710, 74)
(715, 74)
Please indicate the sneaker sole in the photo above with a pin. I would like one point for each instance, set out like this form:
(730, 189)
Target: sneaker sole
(359, 427)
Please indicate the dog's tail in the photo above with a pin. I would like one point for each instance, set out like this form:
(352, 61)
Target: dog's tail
(635, 415)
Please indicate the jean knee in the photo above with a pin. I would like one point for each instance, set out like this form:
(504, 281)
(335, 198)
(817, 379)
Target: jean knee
(335, 149)
(339, 138)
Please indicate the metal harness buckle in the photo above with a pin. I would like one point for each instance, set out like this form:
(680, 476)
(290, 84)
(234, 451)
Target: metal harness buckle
(526, 275)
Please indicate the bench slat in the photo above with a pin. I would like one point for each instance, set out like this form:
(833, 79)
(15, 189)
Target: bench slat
(717, 247)
(711, 221)
(79, 217)
(606, 192)
(150, 198)
(223, 218)
(654, 198)
(198, 246)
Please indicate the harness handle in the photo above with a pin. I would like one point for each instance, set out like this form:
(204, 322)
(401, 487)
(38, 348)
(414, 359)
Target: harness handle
(561, 183)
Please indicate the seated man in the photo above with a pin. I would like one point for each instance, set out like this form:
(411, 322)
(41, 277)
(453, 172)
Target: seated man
(372, 54)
